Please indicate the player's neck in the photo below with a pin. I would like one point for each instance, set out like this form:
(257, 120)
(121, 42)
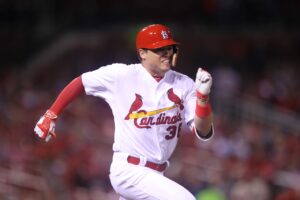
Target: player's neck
(157, 77)
(155, 73)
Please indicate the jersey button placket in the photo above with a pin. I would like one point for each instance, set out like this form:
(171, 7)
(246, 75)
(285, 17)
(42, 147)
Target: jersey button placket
(161, 129)
(158, 128)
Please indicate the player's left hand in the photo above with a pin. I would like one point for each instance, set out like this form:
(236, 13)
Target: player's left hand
(203, 82)
(45, 127)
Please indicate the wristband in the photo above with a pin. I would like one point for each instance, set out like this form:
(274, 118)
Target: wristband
(202, 97)
(203, 111)
(50, 114)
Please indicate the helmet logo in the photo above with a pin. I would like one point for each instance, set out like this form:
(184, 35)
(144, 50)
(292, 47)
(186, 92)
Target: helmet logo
(164, 34)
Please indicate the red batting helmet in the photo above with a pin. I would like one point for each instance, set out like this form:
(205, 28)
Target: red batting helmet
(154, 36)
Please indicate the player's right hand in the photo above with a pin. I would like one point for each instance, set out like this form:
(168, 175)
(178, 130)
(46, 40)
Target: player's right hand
(45, 127)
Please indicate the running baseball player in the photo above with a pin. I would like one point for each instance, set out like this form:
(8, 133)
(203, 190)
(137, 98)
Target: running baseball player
(150, 103)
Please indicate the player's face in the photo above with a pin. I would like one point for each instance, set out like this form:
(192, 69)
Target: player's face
(157, 61)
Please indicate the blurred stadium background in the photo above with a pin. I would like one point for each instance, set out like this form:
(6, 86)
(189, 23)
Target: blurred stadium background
(251, 47)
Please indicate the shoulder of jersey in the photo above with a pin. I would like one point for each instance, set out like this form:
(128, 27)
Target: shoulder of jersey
(121, 69)
(118, 65)
(181, 76)
(124, 66)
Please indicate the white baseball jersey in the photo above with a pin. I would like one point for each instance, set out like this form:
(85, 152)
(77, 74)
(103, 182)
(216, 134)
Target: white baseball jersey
(148, 115)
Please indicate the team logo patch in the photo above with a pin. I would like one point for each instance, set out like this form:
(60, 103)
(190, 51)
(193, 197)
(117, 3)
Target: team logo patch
(165, 35)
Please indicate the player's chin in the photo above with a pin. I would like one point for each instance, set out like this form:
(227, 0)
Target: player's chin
(166, 66)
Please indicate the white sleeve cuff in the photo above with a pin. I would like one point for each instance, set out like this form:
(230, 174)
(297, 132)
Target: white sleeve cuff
(206, 137)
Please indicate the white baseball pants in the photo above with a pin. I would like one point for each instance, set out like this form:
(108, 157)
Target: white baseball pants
(134, 182)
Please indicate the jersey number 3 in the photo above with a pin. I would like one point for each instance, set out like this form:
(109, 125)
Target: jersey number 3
(173, 131)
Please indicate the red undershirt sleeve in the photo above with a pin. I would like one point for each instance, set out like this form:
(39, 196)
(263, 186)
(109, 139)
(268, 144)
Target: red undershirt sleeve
(67, 95)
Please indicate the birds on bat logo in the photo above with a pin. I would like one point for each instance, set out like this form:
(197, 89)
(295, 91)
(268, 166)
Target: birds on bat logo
(174, 98)
(138, 103)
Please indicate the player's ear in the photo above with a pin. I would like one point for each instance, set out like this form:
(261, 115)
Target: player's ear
(142, 53)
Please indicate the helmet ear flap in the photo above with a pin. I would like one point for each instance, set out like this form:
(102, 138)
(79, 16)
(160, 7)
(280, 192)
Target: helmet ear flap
(175, 55)
(175, 48)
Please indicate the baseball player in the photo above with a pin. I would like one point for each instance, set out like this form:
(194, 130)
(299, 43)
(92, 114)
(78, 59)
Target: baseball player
(150, 103)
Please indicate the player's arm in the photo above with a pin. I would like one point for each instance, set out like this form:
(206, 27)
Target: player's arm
(203, 115)
(46, 125)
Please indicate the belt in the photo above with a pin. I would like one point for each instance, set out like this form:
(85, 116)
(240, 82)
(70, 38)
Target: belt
(152, 165)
